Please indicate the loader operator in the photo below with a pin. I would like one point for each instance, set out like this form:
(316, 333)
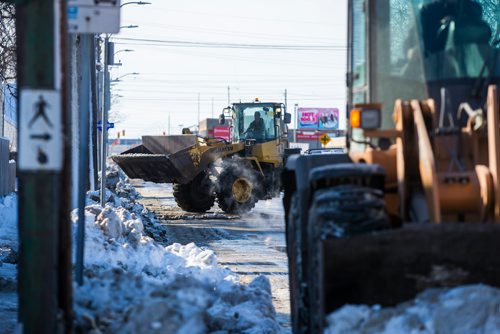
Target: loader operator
(256, 129)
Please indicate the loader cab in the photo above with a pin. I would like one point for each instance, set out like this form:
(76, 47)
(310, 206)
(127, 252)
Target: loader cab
(447, 50)
(258, 121)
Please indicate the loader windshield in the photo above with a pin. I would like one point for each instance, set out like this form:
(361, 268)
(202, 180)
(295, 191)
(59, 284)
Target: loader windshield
(254, 121)
(408, 46)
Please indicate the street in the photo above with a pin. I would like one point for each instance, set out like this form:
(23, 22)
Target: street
(251, 245)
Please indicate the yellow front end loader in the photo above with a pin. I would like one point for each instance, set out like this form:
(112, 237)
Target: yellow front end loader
(415, 203)
(237, 172)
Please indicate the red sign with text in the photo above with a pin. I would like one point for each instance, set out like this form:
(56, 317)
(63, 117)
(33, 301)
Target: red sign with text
(222, 132)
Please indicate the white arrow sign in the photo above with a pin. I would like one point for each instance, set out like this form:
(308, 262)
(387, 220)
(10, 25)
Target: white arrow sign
(40, 135)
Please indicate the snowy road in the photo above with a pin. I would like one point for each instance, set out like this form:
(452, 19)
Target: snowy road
(250, 245)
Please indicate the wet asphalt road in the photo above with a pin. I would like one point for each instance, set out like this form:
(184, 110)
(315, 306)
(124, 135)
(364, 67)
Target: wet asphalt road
(250, 245)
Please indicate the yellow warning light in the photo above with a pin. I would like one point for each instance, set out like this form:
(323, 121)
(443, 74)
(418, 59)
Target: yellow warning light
(256, 99)
(355, 118)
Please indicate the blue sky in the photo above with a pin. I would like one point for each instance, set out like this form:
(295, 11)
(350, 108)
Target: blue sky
(305, 53)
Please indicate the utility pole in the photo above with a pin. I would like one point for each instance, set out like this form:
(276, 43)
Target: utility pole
(94, 133)
(40, 162)
(100, 93)
(86, 70)
(198, 112)
(228, 96)
(286, 99)
(105, 110)
(65, 259)
(295, 122)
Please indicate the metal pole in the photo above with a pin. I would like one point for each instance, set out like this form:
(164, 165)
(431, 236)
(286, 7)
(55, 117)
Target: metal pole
(2, 111)
(228, 95)
(198, 112)
(85, 70)
(100, 83)
(65, 258)
(39, 190)
(105, 109)
(94, 134)
(286, 100)
(296, 123)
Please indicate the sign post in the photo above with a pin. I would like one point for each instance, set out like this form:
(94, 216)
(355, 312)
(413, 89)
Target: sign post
(40, 163)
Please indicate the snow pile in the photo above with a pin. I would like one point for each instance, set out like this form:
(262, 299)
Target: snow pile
(472, 309)
(8, 220)
(120, 193)
(8, 242)
(8, 263)
(134, 285)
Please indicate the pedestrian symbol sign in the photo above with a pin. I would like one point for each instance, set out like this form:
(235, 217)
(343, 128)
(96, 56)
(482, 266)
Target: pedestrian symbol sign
(40, 135)
(324, 139)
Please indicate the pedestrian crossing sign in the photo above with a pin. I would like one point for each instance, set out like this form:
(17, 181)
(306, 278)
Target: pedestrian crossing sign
(324, 139)
(40, 130)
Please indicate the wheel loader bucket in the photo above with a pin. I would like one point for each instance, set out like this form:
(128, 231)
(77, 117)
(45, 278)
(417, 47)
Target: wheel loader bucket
(159, 168)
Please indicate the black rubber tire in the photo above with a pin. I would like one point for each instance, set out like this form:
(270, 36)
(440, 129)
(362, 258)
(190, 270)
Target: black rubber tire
(298, 290)
(348, 210)
(195, 196)
(337, 212)
(227, 202)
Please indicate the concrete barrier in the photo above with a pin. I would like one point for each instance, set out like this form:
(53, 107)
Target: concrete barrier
(7, 169)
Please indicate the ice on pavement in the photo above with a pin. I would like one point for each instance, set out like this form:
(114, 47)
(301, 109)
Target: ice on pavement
(472, 309)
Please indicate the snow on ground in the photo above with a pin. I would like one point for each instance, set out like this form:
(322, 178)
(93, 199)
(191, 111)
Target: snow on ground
(8, 220)
(8, 261)
(132, 284)
(472, 309)
(135, 285)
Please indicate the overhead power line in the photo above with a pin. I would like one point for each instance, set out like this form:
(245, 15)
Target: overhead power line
(174, 43)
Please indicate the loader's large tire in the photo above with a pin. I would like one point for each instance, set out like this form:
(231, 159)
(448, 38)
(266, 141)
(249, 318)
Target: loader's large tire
(298, 290)
(337, 212)
(348, 210)
(237, 191)
(195, 196)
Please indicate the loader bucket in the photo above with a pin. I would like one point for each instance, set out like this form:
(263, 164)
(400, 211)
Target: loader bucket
(390, 267)
(159, 168)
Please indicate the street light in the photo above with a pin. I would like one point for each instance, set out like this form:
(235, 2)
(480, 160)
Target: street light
(106, 106)
(136, 3)
(130, 26)
(124, 50)
(123, 76)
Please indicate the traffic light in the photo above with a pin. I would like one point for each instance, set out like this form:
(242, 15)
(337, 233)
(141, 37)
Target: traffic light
(123, 133)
